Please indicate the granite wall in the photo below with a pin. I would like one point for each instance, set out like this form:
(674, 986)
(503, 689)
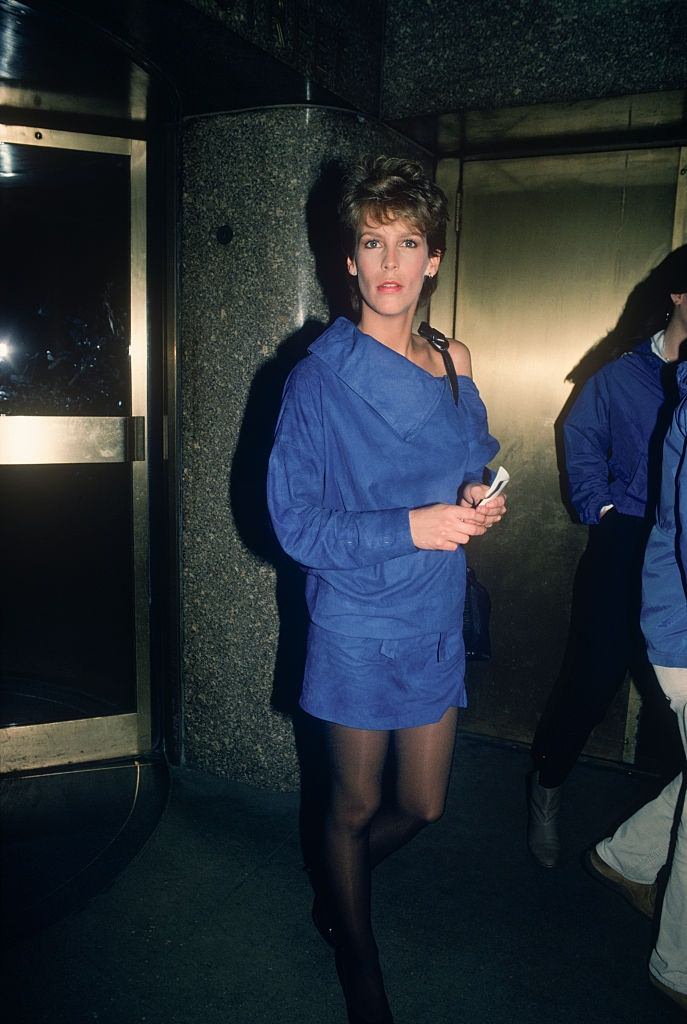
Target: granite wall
(399, 59)
(261, 276)
(449, 55)
(440, 56)
(336, 45)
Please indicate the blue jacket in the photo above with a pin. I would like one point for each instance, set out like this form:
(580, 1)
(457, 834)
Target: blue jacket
(607, 434)
(664, 597)
(363, 436)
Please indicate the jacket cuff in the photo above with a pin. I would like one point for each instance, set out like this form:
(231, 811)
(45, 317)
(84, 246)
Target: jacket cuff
(397, 533)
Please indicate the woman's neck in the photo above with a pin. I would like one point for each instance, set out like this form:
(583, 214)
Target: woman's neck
(396, 332)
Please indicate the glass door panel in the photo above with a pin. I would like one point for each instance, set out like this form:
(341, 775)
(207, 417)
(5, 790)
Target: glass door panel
(73, 518)
(66, 631)
(64, 282)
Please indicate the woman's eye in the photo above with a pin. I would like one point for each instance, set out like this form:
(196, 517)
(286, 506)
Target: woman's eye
(410, 243)
(370, 243)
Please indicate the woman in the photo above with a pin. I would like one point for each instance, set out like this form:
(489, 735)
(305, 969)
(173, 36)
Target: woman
(630, 860)
(613, 436)
(374, 481)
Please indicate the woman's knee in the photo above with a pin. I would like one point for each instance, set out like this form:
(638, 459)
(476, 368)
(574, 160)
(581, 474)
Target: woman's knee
(353, 813)
(430, 817)
(424, 812)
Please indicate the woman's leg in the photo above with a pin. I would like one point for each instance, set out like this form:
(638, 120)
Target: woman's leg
(357, 759)
(359, 833)
(423, 755)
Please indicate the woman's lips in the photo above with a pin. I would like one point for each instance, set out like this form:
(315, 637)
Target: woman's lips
(389, 286)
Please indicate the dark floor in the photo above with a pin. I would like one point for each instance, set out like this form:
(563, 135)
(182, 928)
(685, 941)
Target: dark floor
(210, 923)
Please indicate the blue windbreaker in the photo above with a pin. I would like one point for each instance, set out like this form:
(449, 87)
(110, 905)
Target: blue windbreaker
(363, 436)
(607, 434)
(664, 597)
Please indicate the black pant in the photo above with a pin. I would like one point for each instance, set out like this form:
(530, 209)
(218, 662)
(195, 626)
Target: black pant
(604, 642)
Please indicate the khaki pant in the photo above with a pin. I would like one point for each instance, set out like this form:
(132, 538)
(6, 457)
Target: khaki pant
(639, 849)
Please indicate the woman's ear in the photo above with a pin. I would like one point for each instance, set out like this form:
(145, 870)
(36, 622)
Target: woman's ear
(352, 269)
(433, 266)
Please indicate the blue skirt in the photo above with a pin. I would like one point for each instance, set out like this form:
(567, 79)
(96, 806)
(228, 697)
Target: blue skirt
(383, 684)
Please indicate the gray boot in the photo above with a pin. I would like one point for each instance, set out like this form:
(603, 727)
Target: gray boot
(542, 825)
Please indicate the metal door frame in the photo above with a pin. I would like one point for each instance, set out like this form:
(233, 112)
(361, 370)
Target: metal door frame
(125, 735)
(445, 304)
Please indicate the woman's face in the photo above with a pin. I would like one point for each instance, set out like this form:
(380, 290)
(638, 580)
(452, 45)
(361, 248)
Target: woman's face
(391, 261)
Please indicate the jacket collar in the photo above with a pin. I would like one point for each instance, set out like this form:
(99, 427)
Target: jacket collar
(644, 349)
(402, 393)
(681, 373)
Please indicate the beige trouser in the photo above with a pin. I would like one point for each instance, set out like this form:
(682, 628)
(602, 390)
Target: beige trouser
(639, 849)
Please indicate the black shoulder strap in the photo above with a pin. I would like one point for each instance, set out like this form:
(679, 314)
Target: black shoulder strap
(439, 342)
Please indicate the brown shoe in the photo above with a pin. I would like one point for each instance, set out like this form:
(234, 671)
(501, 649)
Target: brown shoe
(641, 896)
(672, 993)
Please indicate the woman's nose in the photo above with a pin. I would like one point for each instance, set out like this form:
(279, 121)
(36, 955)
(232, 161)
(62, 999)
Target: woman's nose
(390, 258)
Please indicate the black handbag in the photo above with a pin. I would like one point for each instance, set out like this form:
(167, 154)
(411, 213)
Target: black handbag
(476, 612)
(477, 608)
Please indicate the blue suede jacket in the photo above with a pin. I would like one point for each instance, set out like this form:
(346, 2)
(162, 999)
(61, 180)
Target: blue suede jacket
(364, 435)
(664, 594)
(607, 434)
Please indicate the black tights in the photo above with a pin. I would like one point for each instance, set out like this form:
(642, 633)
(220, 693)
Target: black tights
(360, 831)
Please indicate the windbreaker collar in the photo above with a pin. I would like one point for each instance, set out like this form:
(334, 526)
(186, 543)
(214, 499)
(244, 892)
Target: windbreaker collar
(644, 349)
(682, 379)
(402, 393)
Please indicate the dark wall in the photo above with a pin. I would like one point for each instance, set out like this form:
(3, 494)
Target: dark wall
(334, 44)
(395, 59)
(450, 55)
(447, 55)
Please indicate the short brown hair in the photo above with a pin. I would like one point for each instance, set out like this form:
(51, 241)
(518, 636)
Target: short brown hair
(385, 188)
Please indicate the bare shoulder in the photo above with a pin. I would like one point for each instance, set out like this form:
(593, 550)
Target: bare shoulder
(460, 354)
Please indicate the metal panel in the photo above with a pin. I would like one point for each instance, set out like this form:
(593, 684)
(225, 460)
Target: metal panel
(613, 117)
(680, 221)
(49, 138)
(23, 748)
(139, 408)
(550, 249)
(443, 305)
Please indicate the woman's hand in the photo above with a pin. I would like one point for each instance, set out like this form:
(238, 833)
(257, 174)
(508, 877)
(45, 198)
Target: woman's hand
(494, 510)
(444, 527)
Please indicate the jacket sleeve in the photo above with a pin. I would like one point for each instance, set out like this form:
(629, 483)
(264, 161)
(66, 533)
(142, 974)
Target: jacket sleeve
(587, 438)
(317, 536)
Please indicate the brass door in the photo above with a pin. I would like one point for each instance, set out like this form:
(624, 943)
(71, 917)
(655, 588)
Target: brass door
(549, 250)
(74, 546)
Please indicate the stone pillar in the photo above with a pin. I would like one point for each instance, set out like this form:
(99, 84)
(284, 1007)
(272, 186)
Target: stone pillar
(262, 275)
